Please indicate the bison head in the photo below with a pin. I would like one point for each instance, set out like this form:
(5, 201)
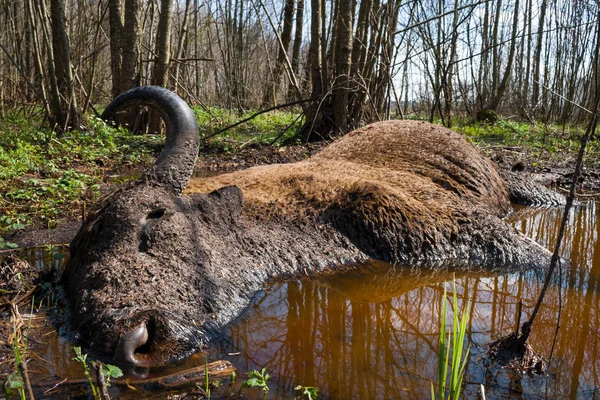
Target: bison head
(138, 278)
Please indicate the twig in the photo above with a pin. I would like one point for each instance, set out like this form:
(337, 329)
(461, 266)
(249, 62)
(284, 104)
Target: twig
(216, 369)
(18, 300)
(101, 381)
(285, 130)
(481, 391)
(25, 375)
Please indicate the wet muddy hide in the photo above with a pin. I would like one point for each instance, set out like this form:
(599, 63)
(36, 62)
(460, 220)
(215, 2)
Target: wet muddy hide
(154, 273)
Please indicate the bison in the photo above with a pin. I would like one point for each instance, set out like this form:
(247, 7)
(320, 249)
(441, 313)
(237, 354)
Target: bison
(155, 271)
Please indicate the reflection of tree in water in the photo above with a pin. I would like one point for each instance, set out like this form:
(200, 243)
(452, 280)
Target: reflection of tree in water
(372, 332)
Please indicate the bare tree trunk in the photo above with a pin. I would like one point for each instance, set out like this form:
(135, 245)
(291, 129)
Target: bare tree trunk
(316, 49)
(359, 57)
(297, 43)
(495, 47)
(37, 56)
(125, 33)
(343, 52)
(71, 117)
(537, 56)
(270, 94)
(163, 43)
(447, 84)
(182, 42)
(483, 92)
(511, 55)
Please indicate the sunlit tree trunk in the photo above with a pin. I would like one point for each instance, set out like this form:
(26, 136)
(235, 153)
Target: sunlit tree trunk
(343, 51)
(537, 55)
(125, 33)
(499, 92)
(297, 43)
(274, 84)
(163, 43)
(71, 116)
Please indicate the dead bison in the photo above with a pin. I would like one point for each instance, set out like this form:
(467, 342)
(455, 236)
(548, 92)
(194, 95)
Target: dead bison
(154, 274)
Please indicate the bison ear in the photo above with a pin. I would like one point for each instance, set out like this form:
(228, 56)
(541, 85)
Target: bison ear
(222, 204)
(229, 196)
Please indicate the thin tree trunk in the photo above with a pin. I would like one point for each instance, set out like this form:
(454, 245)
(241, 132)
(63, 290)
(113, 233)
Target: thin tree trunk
(511, 55)
(270, 95)
(297, 43)
(163, 43)
(537, 55)
(343, 52)
(181, 43)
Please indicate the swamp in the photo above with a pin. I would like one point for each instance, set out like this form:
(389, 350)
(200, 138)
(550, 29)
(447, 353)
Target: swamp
(370, 331)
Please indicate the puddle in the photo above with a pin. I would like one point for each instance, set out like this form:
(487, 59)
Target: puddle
(372, 332)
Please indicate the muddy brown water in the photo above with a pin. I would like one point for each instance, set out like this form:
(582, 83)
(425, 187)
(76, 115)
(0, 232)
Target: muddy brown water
(372, 332)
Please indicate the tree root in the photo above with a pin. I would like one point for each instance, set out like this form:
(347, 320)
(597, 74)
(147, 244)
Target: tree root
(510, 352)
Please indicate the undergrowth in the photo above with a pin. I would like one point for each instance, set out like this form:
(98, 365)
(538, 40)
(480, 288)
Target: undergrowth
(542, 141)
(274, 127)
(44, 176)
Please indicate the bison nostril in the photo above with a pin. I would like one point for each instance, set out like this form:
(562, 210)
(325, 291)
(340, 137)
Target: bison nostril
(156, 214)
(132, 340)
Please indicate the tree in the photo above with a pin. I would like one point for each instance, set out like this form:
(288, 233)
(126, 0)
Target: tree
(273, 85)
(343, 53)
(163, 43)
(125, 34)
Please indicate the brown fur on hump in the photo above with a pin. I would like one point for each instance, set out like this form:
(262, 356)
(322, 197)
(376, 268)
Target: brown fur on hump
(409, 160)
(404, 190)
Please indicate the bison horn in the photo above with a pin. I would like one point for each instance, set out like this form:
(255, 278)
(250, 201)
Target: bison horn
(175, 164)
(125, 352)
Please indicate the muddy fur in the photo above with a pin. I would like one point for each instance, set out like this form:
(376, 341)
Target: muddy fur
(399, 191)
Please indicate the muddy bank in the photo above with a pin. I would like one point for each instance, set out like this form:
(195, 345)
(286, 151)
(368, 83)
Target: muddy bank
(551, 169)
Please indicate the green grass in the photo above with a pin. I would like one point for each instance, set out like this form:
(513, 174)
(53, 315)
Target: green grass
(278, 126)
(543, 141)
(43, 176)
(451, 355)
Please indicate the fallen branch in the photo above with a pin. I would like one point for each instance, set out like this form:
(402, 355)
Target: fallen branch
(25, 376)
(216, 369)
(256, 114)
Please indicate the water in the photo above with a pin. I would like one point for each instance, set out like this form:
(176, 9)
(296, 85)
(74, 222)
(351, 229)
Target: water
(372, 332)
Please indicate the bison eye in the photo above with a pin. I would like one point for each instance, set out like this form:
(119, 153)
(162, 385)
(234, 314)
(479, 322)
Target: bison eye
(156, 214)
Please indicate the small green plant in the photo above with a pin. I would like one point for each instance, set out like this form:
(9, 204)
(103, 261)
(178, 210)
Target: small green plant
(5, 244)
(258, 379)
(309, 391)
(14, 381)
(82, 358)
(109, 371)
(206, 389)
(457, 361)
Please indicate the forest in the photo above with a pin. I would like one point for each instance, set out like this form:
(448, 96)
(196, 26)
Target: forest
(278, 82)
(345, 62)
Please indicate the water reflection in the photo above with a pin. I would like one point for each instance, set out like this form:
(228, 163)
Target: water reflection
(372, 332)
